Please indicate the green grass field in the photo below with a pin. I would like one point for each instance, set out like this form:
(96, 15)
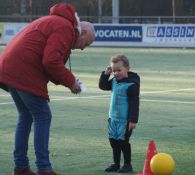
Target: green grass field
(78, 142)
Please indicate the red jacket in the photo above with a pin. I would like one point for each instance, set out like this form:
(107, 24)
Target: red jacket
(39, 52)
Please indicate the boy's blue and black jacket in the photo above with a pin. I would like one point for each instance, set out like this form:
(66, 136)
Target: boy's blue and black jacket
(124, 104)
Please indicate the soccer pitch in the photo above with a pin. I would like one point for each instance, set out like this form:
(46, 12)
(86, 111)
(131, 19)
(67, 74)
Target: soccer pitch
(78, 142)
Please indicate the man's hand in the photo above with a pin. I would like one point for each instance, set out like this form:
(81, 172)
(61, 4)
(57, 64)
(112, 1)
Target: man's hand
(75, 89)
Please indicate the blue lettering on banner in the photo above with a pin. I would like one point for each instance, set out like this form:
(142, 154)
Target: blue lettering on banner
(118, 33)
(176, 32)
(190, 32)
(171, 31)
(9, 32)
(160, 31)
(182, 32)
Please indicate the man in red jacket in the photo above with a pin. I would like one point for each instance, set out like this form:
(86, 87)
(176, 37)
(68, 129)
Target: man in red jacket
(34, 57)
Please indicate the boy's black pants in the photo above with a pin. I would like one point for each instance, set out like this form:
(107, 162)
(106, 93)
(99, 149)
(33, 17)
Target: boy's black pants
(119, 146)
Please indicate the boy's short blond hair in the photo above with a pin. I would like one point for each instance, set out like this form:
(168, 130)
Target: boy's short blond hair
(122, 58)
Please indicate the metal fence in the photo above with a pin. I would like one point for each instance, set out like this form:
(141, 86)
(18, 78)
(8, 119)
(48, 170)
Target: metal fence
(141, 19)
(110, 19)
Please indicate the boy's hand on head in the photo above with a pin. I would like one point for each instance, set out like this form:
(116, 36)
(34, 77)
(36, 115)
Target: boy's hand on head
(108, 70)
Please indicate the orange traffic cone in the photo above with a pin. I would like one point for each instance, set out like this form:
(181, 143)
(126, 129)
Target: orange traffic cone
(150, 153)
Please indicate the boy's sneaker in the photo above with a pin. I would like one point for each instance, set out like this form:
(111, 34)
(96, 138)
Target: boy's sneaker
(113, 168)
(125, 169)
(25, 171)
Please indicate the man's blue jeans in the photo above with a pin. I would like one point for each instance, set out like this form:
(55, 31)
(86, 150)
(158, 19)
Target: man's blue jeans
(31, 109)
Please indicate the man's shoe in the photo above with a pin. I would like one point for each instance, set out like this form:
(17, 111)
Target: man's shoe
(25, 171)
(125, 169)
(113, 168)
(46, 173)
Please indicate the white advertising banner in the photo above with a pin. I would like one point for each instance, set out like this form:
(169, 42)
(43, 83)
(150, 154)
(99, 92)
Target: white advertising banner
(126, 35)
(9, 30)
(145, 35)
(169, 35)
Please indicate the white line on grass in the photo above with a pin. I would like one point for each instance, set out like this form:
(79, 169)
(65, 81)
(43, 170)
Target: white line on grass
(143, 92)
(166, 91)
(78, 97)
(8, 103)
(169, 101)
(4, 95)
(60, 98)
(106, 97)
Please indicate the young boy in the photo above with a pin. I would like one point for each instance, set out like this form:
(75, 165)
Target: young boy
(124, 109)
